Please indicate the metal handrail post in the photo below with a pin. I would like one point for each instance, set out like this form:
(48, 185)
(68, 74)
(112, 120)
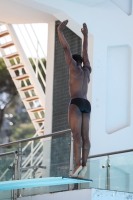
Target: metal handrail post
(19, 163)
(108, 173)
(15, 175)
(71, 161)
(31, 161)
(19, 159)
(71, 156)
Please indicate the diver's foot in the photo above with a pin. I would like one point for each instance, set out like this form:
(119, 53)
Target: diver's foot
(77, 171)
(82, 172)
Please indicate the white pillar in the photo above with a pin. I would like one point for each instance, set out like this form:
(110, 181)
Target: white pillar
(49, 98)
(49, 78)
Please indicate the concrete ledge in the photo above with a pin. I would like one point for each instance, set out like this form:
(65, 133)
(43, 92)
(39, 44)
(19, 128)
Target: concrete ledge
(84, 194)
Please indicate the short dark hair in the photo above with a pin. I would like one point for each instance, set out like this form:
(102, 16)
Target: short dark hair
(78, 58)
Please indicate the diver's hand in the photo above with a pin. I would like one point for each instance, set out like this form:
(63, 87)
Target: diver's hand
(62, 25)
(84, 30)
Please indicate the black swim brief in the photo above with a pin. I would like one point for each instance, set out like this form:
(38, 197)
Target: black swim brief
(83, 104)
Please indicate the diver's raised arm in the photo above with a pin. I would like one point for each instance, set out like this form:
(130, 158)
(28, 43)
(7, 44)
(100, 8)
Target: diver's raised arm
(64, 43)
(86, 61)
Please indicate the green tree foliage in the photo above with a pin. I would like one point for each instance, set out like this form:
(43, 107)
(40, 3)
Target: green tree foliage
(22, 126)
(9, 100)
(7, 89)
(22, 131)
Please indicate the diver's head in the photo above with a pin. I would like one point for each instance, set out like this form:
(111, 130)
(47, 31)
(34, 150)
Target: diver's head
(77, 58)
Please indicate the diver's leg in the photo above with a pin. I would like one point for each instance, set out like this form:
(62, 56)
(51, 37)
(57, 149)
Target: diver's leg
(85, 137)
(85, 143)
(75, 121)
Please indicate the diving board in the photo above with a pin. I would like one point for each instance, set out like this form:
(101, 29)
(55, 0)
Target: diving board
(39, 182)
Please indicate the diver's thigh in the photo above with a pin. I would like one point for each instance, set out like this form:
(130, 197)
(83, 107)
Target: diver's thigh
(74, 118)
(85, 124)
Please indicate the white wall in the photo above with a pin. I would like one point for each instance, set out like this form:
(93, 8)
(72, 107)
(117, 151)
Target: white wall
(111, 27)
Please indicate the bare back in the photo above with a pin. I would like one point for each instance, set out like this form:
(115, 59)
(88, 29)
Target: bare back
(79, 77)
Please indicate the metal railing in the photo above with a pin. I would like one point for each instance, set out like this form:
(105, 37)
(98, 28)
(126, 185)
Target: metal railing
(108, 165)
(35, 138)
(8, 153)
(34, 166)
(20, 165)
(111, 153)
(14, 169)
(31, 157)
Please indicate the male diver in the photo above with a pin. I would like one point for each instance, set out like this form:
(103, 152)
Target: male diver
(79, 108)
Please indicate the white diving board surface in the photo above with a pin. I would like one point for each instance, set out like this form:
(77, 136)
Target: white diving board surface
(39, 182)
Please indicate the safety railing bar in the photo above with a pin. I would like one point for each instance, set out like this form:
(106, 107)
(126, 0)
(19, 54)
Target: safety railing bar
(27, 158)
(111, 153)
(32, 55)
(29, 143)
(38, 40)
(35, 138)
(27, 173)
(26, 161)
(4, 173)
(43, 66)
(38, 160)
(27, 46)
(37, 147)
(24, 148)
(4, 154)
(33, 167)
(29, 170)
(30, 37)
(8, 153)
(44, 82)
(40, 60)
(33, 44)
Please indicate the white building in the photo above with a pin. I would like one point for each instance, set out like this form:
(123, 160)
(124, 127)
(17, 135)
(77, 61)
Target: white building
(110, 50)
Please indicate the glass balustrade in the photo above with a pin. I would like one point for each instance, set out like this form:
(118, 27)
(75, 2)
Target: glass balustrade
(112, 172)
(96, 170)
(121, 172)
(50, 157)
(6, 173)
